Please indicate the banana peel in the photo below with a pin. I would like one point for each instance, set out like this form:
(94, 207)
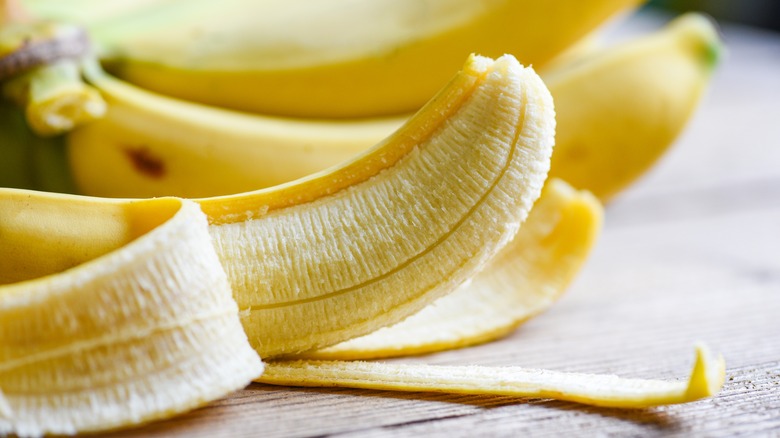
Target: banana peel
(706, 379)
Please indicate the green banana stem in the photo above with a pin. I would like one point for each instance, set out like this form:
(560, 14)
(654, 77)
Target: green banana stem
(55, 98)
(29, 161)
(40, 71)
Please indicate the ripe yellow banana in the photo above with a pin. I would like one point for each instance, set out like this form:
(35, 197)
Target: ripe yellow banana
(149, 145)
(527, 276)
(341, 58)
(111, 314)
(653, 85)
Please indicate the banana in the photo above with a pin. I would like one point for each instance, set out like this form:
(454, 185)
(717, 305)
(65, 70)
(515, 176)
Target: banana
(335, 59)
(149, 145)
(111, 314)
(527, 276)
(653, 84)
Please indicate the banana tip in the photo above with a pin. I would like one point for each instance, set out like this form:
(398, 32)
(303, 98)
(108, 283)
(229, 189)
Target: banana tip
(708, 375)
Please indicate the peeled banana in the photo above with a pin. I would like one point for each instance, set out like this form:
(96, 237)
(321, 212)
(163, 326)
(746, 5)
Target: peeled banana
(149, 145)
(523, 280)
(111, 314)
(308, 58)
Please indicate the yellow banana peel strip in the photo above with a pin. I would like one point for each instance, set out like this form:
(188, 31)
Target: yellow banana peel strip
(705, 380)
(526, 277)
(142, 327)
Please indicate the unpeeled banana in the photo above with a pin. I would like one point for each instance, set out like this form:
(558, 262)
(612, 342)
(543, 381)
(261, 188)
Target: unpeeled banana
(646, 91)
(308, 58)
(149, 145)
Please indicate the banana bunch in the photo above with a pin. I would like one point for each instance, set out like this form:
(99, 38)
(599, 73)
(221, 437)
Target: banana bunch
(311, 243)
(639, 97)
(334, 59)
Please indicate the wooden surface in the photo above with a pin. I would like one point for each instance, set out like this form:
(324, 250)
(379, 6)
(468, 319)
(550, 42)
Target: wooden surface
(691, 253)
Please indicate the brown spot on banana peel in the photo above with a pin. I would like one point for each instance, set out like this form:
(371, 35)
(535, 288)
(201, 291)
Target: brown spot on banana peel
(145, 162)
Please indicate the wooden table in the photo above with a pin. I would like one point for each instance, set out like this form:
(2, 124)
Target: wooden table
(691, 253)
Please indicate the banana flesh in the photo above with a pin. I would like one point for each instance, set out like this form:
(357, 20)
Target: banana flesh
(207, 152)
(130, 322)
(284, 58)
(706, 379)
(527, 276)
(401, 225)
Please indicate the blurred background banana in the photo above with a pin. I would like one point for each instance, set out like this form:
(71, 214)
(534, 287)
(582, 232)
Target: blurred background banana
(618, 109)
(334, 59)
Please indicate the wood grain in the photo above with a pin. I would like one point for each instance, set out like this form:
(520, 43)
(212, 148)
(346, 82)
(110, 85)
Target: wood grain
(691, 253)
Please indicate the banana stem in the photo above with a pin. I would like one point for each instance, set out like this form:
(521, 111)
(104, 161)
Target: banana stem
(40, 71)
(55, 98)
